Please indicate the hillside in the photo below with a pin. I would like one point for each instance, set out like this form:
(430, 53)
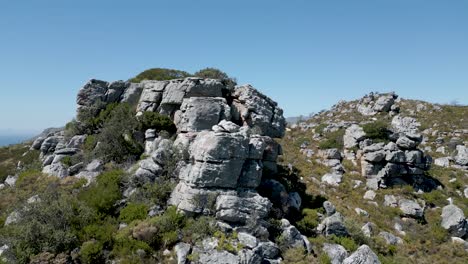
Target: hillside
(169, 167)
(403, 216)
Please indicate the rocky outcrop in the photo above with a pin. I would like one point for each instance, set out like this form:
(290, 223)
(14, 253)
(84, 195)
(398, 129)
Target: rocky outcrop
(390, 163)
(374, 103)
(96, 94)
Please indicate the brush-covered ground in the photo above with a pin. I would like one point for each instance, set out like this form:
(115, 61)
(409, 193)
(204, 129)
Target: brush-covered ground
(424, 241)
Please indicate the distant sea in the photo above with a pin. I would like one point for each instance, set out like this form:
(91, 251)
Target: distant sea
(6, 140)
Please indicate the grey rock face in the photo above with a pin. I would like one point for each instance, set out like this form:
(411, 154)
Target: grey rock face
(11, 180)
(218, 257)
(353, 135)
(391, 239)
(372, 103)
(37, 143)
(49, 144)
(442, 162)
(267, 119)
(330, 154)
(405, 124)
(336, 253)
(247, 239)
(454, 220)
(329, 208)
(406, 143)
(182, 250)
(411, 208)
(201, 113)
(267, 250)
(368, 229)
(333, 179)
(333, 225)
(56, 169)
(92, 92)
(363, 255)
(76, 141)
(239, 207)
(376, 156)
(462, 155)
(390, 200)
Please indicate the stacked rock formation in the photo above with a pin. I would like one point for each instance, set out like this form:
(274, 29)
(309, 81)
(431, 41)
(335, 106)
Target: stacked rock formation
(224, 144)
(224, 141)
(374, 103)
(398, 161)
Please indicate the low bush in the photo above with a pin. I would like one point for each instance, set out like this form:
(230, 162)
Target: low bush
(91, 252)
(104, 193)
(133, 211)
(378, 131)
(159, 74)
(333, 140)
(156, 121)
(309, 222)
(214, 73)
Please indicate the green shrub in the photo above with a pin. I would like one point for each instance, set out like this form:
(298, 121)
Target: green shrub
(101, 231)
(154, 193)
(156, 121)
(319, 129)
(214, 73)
(378, 131)
(49, 225)
(333, 140)
(67, 161)
(309, 222)
(104, 193)
(91, 252)
(116, 135)
(159, 74)
(132, 212)
(346, 242)
(198, 228)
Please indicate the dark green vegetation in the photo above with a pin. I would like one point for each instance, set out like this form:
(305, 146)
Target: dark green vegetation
(377, 131)
(332, 140)
(70, 216)
(118, 131)
(161, 74)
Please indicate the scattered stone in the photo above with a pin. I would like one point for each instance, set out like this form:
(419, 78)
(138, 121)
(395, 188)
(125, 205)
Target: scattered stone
(369, 195)
(390, 200)
(333, 179)
(411, 208)
(368, 229)
(363, 255)
(336, 253)
(454, 220)
(390, 239)
(182, 251)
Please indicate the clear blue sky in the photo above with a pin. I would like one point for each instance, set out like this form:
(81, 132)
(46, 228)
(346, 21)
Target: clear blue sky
(306, 54)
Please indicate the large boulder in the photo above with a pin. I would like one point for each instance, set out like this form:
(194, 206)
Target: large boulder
(336, 253)
(201, 113)
(239, 207)
(353, 135)
(333, 225)
(363, 255)
(454, 221)
(462, 155)
(411, 208)
(258, 112)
